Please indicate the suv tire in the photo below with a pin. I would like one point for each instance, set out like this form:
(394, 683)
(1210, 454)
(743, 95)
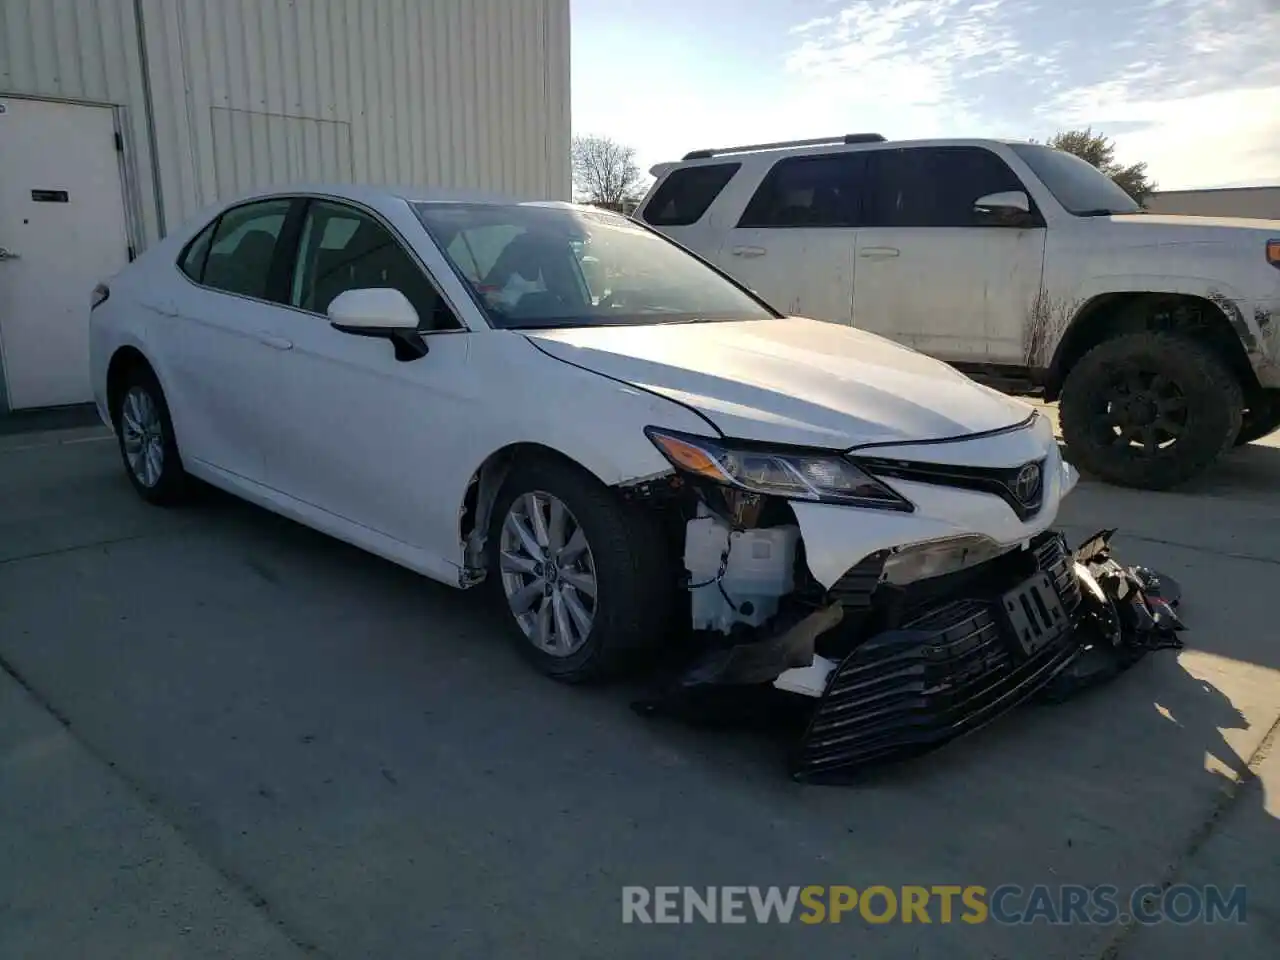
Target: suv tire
(1262, 418)
(1149, 410)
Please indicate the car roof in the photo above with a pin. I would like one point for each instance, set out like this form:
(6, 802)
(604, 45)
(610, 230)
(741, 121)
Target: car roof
(373, 195)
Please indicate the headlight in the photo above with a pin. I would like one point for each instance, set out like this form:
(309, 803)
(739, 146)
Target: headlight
(795, 475)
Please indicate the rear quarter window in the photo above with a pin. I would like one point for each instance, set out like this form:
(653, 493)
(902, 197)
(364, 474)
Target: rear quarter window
(685, 195)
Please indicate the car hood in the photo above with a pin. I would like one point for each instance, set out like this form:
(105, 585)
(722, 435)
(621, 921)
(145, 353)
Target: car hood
(793, 380)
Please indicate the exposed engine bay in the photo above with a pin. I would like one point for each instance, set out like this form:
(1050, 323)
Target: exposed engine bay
(911, 647)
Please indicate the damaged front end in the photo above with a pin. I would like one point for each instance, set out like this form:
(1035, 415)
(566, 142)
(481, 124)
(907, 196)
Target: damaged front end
(910, 648)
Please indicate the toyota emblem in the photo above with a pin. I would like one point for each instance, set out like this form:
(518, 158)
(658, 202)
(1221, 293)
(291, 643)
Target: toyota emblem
(1027, 484)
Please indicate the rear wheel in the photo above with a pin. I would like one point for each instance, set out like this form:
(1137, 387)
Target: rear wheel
(585, 577)
(1149, 410)
(147, 444)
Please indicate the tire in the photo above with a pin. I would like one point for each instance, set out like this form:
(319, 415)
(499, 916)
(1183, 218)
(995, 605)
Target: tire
(1261, 419)
(634, 576)
(1112, 394)
(148, 446)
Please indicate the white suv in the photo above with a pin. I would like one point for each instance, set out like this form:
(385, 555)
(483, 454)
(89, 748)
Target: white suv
(1016, 263)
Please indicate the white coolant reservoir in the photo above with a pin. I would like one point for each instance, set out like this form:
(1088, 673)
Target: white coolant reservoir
(758, 570)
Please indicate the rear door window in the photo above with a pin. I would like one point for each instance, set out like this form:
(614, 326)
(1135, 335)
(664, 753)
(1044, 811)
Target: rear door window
(197, 251)
(934, 186)
(812, 191)
(685, 195)
(244, 248)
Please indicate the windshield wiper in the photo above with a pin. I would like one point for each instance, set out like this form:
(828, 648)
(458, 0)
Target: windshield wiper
(549, 323)
(1099, 212)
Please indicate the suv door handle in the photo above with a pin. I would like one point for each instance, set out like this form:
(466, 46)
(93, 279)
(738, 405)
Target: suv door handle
(878, 253)
(748, 251)
(275, 343)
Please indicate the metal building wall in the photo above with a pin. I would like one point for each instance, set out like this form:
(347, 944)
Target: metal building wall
(1260, 202)
(247, 93)
(89, 51)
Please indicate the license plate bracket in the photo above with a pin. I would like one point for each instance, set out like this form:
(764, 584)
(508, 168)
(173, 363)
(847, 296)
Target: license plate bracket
(1034, 614)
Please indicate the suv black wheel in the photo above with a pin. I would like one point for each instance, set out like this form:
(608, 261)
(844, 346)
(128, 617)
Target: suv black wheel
(585, 577)
(1149, 410)
(148, 447)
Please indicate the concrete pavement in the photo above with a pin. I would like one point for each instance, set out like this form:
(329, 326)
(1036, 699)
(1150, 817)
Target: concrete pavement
(319, 752)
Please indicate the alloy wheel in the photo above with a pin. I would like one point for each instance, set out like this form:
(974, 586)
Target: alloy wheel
(548, 573)
(142, 433)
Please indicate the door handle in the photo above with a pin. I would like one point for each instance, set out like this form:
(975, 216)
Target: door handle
(748, 251)
(275, 343)
(6, 254)
(878, 253)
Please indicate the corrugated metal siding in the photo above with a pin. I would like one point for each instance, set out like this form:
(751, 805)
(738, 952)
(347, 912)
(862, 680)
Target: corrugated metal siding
(1263, 202)
(84, 50)
(252, 149)
(454, 93)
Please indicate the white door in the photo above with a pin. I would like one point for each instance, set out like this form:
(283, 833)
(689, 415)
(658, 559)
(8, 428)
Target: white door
(794, 243)
(354, 424)
(934, 274)
(213, 334)
(62, 229)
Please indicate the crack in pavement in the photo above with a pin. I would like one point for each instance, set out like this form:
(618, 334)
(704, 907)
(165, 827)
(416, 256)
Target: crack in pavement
(58, 551)
(1226, 801)
(234, 880)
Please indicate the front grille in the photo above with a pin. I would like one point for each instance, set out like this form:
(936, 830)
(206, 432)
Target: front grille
(1055, 559)
(947, 669)
(907, 690)
(1001, 481)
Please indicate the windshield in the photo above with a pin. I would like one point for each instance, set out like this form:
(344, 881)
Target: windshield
(1078, 185)
(539, 266)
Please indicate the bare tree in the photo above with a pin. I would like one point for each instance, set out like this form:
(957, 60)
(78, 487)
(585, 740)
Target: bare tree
(1100, 151)
(605, 171)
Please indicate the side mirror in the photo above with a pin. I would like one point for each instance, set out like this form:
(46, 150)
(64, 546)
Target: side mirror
(1011, 208)
(379, 312)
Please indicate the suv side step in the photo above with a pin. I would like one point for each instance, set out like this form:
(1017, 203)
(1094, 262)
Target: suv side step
(1015, 380)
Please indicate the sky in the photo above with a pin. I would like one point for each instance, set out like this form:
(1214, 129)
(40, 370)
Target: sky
(1192, 87)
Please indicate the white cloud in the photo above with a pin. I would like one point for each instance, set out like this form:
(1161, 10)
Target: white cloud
(1190, 86)
(1205, 112)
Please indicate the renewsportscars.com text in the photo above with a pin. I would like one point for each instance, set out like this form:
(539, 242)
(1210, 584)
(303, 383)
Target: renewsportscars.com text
(1007, 904)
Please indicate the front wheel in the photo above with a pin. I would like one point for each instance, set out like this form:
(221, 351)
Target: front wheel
(584, 576)
(1149, 410)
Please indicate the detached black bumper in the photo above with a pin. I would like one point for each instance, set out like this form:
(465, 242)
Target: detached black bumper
(947, 669)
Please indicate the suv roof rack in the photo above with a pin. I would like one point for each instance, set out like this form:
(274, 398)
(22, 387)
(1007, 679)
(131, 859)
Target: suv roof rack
(814, 142)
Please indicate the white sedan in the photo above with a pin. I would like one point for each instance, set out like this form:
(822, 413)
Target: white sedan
(634, 452)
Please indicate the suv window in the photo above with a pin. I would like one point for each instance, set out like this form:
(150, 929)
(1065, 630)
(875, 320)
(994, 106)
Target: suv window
(934, 186)
(343, 249)
(244, 246)
(686, 194)
(812, 191)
